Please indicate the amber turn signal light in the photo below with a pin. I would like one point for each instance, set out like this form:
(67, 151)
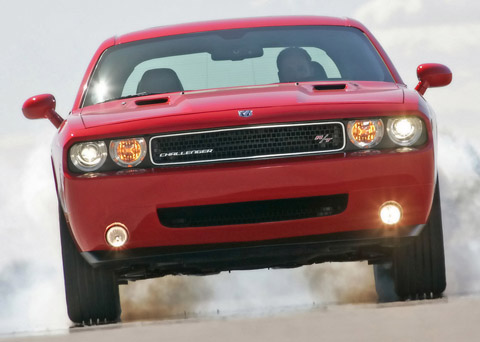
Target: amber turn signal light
(365, 133)
(128, 152)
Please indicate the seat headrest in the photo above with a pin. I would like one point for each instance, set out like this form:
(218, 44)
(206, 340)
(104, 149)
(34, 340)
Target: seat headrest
(319, 73)
(159, 81)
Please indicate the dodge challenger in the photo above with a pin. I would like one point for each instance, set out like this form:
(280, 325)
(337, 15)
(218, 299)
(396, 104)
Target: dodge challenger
(245, 144)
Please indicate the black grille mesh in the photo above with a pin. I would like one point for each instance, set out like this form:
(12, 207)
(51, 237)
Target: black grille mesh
(247, 143)
(252, 212)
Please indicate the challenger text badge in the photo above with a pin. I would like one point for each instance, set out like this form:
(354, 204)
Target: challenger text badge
(185, 153)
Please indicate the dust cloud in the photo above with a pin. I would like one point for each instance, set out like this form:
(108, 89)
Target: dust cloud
(167, 297)
(248, 292)
(31, 280)
(342, 283)
(459, 173)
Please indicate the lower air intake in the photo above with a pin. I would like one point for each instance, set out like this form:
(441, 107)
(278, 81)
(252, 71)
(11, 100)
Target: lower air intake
(252, 212)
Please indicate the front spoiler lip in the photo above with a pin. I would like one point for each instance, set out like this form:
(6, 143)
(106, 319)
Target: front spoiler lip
(286, 252)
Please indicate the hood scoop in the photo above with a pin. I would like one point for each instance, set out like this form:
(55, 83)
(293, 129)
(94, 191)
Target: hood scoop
(158, 100)
(321, 87)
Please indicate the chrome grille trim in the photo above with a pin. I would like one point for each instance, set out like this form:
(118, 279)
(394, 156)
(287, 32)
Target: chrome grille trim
(266, 156)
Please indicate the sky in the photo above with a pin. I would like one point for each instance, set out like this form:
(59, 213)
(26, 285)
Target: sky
(46, 47)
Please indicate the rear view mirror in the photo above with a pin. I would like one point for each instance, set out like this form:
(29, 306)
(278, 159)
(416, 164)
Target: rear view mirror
(432, 75)
(231, 52)
(42, 107)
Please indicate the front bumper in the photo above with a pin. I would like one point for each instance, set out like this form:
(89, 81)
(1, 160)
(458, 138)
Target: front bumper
(372, 245)
(93, 202)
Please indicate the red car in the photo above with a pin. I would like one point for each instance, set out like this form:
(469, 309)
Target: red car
(245, 144)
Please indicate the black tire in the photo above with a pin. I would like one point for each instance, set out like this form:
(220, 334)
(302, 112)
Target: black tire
(92, 294)
(416, 270)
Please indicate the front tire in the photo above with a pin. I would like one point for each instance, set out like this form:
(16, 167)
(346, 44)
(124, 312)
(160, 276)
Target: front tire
(92, 294)
(416, 270)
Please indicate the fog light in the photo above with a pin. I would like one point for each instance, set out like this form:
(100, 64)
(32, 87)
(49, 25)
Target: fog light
(117, 235)
(391, 212)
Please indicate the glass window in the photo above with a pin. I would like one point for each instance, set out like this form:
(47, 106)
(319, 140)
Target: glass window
(233, 58)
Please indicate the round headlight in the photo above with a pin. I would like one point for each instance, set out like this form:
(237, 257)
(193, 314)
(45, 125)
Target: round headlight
(88, 156)
(128, 152)
(404, 131)
(365, 133)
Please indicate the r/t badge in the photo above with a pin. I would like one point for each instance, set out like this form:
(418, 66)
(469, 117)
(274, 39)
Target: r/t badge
(323, 138)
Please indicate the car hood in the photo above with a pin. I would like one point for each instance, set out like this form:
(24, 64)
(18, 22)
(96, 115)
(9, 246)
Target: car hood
(241, 98)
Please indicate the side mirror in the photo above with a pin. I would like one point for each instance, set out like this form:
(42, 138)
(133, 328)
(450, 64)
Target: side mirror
(432, 75)
(42, 107)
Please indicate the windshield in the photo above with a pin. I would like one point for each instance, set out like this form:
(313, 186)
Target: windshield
(232, 58)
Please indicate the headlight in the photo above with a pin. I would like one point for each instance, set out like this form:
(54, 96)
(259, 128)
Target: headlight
(128, 152)
(404, 131)
(365, 133)
(88, 156)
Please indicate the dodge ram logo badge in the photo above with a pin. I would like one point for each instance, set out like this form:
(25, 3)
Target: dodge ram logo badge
(245, 113)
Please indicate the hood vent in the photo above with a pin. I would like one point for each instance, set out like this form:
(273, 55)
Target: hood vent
(158, 100)
(337, 86)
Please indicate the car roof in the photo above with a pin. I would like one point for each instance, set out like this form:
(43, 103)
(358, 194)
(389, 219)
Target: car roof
(235, 24)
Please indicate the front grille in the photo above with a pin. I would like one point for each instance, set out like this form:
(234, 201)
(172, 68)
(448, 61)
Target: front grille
(252, 212)
(245, 143)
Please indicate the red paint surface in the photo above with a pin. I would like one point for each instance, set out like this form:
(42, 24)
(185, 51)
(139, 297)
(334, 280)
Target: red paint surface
(91, 204)
(370, 180)
(406, 178)
(42, 107)
(432, 75)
